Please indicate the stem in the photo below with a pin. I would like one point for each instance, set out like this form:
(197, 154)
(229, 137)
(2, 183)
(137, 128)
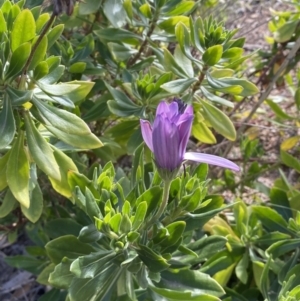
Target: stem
(266, 93)
(200, 79)
(37, 43)
(145, 42)
(163, 204)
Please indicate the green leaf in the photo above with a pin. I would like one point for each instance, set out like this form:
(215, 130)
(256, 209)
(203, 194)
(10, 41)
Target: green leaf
(264, 280)
(77, 67)
(201, 132)
(8, 204)
(205, 248)
(289, 160)
(3, 167)
(115, 12)
(62, 226)
(184, 60)
(152, 260)
(270, 238)
(277, 110)
(212, 55)
(41, 70)
(67, 126)
(87, 141)
(139, 216)
(23, 29)
(122, 105)
(145, 9)
(41, 22)
(54, 34)
(223, 86)
(121, 52)
(286, 31)
(58, 89)
(107, 273)
(152, 197)
(117, 35)
(40, 52)
(178, 86)
(215, 98)
(125, 225)
(241, 269)
(44, 275)
(280, 201)
(18, 97)
(191, 281)
(88, 7)
(90, 234)
(284, 246)
(115, 222)
(7, 124)
(220, 122)
(35, 210)
(183, 38)
(14, 12)
(28, 263)
(67, 246)
(297, 98)
(92, 208)
(66, 165)
(54, 75)
(169, 24)
(62, 277)
(201, 216)
(174, 295)
(233, 53)
(3, 27)
(175, 231)
(181, 8)
(171, 65)
(17, 171)
(90, 265)
(82, 90)
(127, 4)
(270, 219)
(18, 60)
(249, 88)
(40, 150)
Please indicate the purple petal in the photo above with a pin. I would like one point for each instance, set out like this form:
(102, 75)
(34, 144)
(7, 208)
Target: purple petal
(189, 110)
(147, 133)
(162, 108)
(166, 143)
(184, 134)
(173, 110)
(211, 159)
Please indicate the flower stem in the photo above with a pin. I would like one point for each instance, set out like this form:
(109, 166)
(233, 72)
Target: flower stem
(163, 204)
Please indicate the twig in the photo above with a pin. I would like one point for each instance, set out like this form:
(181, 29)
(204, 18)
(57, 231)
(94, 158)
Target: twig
(262, 75)
(266, 93)
(37, 43)
(145, 42)
(249, 178)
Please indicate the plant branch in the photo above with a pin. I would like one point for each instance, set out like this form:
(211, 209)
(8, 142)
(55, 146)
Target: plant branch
(260, 79)
(266, 93)
(145, 42)
(37, 43)
(200, 79)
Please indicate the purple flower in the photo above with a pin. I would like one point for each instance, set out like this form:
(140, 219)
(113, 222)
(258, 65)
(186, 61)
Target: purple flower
(169, 135)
